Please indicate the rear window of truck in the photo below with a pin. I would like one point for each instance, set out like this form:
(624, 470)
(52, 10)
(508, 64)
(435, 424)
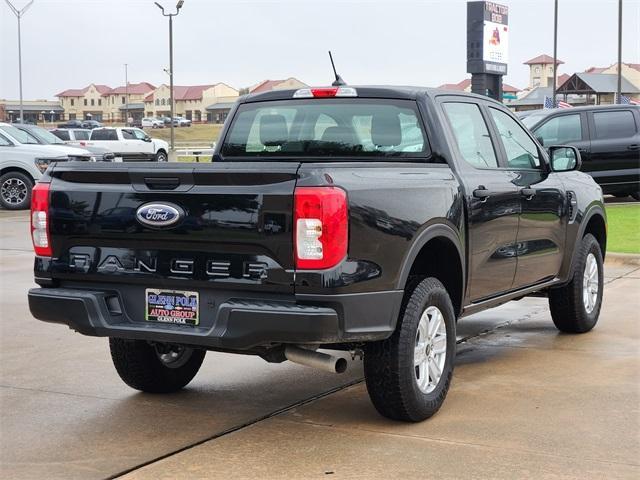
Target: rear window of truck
(345, 128)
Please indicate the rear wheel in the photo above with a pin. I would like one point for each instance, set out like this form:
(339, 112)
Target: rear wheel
(408, 375)
(15, 191)
(636, 196)
(155, 368)
(575, 307)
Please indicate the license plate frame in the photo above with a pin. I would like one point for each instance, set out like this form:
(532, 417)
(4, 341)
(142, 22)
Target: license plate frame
(180, 307)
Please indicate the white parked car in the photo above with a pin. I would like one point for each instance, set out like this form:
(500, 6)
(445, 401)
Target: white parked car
(181, 122)
(129, 144)
(23, 161)
(152, 122)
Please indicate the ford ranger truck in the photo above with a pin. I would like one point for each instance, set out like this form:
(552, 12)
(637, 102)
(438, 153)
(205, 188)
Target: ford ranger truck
(363, 219)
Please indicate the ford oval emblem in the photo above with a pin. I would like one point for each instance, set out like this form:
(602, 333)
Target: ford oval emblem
(159, 215)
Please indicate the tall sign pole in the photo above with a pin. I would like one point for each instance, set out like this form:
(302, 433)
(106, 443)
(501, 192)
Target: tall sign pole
(487, 47)
(619, 88)
(126, 95)
(19, 14)
(555, 50)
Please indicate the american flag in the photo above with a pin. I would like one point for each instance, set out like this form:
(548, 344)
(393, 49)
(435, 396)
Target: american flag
(548, 103)
(628, 101)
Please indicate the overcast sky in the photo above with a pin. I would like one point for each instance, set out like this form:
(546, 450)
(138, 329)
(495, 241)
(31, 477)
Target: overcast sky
(71, 43)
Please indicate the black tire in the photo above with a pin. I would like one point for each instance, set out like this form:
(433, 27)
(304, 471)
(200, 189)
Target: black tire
(635, 196)
(390, 374)
(15, 191)
(568, 309)
(139, 366)
(161, 156)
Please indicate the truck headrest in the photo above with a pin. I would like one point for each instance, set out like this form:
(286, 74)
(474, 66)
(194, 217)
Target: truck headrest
(385, 130)
(273, 130)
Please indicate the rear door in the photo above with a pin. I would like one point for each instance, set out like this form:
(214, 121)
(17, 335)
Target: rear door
(615, 149)
(493, 201)
(541, 230)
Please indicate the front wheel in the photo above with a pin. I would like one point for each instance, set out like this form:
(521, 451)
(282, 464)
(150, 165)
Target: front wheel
(15, 191)
(161, 156)
(575, 307)
(155, 368)
(408, 375)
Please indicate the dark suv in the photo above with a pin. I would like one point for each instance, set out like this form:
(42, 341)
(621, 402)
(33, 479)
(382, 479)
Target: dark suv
(608, 137)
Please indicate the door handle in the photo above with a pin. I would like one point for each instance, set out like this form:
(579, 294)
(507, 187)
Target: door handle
(529, 193)
(482, 193)
(633, 146)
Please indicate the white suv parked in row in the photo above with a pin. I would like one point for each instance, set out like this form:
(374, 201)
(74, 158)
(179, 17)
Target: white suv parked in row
(22, 163)
(129, 144)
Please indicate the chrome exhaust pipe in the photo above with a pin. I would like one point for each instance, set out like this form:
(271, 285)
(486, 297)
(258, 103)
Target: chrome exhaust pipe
(311, 358)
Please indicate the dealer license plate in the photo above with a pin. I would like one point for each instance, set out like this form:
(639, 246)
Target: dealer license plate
(172, 306)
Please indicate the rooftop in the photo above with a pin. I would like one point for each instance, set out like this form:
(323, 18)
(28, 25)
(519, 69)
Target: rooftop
(543, 59)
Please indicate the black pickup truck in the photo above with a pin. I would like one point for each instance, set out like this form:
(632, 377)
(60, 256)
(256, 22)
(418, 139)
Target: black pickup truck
(363, 219)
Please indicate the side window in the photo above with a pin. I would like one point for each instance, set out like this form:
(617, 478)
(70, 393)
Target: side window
(139, 134)
(521, 150)
(616, 124)
(561, 130)
(81, 134)
(104, 134)
(62, 134)
(4, 142)
(472, 134)
(128, 135)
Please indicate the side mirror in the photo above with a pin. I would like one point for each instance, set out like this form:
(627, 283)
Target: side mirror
(564, 158)
(147, 138)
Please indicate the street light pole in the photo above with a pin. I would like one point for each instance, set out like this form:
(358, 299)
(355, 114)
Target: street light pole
(171, 15)
(555, 50)
(126, 96)
(619, 87)
(19, 14)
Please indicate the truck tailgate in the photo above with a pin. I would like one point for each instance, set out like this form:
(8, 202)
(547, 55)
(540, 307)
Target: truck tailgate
(235, 230)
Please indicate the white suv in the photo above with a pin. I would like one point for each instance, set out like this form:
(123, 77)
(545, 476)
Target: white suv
(22, 163)
(150, 122)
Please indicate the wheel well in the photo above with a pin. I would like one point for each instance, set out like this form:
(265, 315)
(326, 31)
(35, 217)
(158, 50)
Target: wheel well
(439, 258)
(598, 229)
(17, 169)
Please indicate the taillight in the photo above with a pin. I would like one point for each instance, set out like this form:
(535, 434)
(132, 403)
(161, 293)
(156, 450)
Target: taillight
(40, 220)
(321, 227)
(325, 92)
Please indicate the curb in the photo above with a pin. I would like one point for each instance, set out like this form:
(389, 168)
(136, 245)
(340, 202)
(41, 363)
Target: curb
(632, 259)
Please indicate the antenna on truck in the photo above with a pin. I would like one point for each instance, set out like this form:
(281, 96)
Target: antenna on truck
(338, 82)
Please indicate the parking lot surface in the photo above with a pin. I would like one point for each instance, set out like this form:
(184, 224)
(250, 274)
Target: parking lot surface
(526, 401)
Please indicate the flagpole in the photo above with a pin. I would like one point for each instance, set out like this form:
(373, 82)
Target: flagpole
(619, 89)
(555, 50)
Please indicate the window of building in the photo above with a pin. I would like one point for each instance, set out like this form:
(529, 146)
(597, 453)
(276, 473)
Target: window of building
(72, 102)
(93, 102)
(123, 100)
(163, 102)
(157, 102)
(616, 124)
(85, 102)
(472, 134)
(100, 102)
(537, 69)
(521, 150)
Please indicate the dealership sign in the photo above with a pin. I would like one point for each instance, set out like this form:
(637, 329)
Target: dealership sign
(487, 38)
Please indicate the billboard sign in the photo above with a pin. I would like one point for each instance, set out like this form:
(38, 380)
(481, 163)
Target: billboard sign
(487, 38)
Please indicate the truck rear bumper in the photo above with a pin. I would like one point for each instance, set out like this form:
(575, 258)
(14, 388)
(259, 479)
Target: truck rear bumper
(235, 323)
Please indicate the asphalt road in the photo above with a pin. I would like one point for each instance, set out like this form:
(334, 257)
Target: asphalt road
(526, 401)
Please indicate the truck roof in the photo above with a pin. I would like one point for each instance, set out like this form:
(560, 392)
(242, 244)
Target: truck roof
(368, 91)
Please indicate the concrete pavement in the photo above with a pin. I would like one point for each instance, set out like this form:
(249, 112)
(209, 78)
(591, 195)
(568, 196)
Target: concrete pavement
(526, 401)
